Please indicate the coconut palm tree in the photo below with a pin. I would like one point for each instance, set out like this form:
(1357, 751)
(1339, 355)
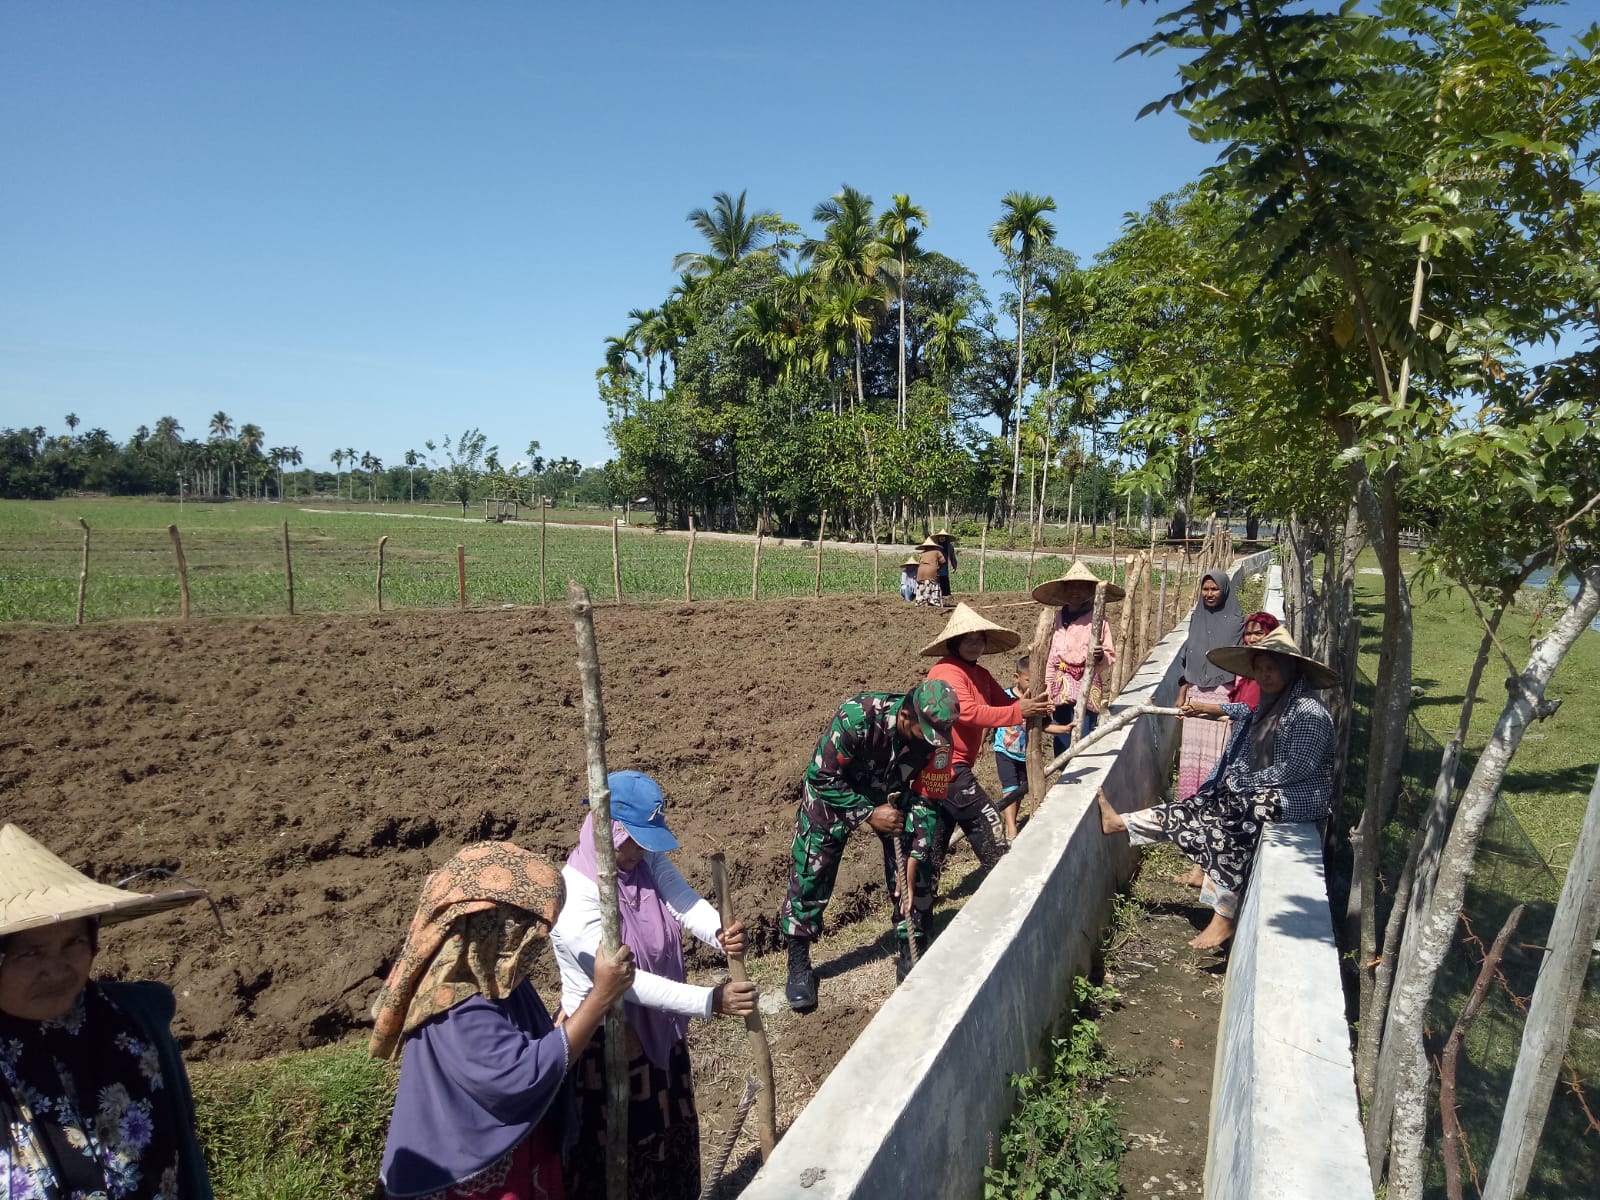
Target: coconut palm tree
(949, 344)
(900, 225)
(412, 459)
(850, 251)
(337, 459)
(168, 433)
(1021, 229)
(72, 422)
(371, 464)
(730, 231)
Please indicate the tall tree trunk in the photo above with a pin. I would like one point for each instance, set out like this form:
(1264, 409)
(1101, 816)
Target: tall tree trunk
(1016, 426)
(902, 338)
(1403, 1037)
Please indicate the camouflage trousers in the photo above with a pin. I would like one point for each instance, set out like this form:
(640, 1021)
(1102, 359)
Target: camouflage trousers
(820, 835)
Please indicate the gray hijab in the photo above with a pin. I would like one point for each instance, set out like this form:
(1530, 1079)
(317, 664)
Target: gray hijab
(1264, 728)
(1210, 628)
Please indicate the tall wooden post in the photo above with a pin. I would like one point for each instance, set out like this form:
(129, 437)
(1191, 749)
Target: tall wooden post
(288, 569)
(755, 560)
(766, 1107)
(688, 567)
(461, 574)
(1038, 754)
(983, 555)
(822, 529)
(544, 505)
(382, 542)
(1161, 604)
(1028, 585)
(1126, 661)
(183, 573)
(83, 575)
(616, 565)
(876, 586)
(1114, 547)
(1146, 639)
(605, 856)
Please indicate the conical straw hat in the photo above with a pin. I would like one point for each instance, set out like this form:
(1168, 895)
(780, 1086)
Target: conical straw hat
(37, 888)
(911, 561)
(943, 535)
(929, 544)
(968, 620)
(1054, 591)
(1237, 658)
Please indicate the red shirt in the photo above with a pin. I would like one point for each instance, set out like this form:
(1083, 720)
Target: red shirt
(984, 705)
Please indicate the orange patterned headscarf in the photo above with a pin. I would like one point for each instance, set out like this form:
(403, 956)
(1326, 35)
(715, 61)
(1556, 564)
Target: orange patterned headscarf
(480, 924)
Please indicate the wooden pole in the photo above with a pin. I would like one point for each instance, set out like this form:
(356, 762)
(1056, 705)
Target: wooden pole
(1028, 586)
(605, 856)
(544, 504)
(288, 568)
(822, 529)
(1161, 605)
(1114, 547)
(755, 560)
(876, 586)
(983, 555)
(1145, 640)
(616, 565)
(461, 574)
(1132, 578)
(1555, 998)
(1037, 650)
(1091, 670)
(183, 573)
(688, 567)
(382, 542)
(1106, 728)
(767, 1110)
(83, 575)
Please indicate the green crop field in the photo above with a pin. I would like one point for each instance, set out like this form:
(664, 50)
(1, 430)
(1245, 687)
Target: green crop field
(235, 561)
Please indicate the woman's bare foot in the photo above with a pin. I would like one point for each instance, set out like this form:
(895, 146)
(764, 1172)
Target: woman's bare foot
(1110, 819)
(1214, 935)
(1194, 878)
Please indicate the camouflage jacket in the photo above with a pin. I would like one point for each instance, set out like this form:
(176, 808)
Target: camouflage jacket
(862, 761)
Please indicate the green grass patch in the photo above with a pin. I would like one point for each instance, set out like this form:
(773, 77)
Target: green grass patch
(303, 1126)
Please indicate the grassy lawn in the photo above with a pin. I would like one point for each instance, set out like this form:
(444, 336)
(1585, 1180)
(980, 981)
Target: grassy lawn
(235, 560)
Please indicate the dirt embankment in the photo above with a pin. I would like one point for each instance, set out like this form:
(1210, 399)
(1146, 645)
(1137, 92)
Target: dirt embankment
(310, 772)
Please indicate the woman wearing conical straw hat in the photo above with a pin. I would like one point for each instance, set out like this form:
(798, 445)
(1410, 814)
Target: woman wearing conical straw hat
(908, 578)
(947, 782)
(1277, 767)
(1067, 678)
(930, 561)
(94, 1099)
(946, 541)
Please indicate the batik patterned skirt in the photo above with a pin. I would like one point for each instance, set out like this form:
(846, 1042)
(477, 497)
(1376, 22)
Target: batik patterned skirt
(663, 1128)
(1203, 743)
(928, 593)
(1217, 828)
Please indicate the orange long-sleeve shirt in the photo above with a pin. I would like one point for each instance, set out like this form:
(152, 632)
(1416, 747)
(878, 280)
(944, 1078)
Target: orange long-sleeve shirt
(984, 705)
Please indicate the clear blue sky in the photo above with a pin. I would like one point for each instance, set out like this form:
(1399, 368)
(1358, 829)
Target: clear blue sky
(367, 224)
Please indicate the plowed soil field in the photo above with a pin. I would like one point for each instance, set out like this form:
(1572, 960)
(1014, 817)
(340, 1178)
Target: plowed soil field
(311, 772)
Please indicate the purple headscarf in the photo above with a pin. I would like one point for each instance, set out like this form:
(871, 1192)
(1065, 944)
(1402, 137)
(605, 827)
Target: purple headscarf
(650, 930)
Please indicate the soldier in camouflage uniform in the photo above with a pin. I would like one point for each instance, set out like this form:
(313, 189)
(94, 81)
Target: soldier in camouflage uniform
(859, 774)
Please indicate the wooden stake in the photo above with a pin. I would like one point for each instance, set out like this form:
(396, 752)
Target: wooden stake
(616, 565)
(1114, 547)
(1161, 605)
(1036, 735)
(1144, 642)
(1028, 586)
(382, 542)
(1126, 661)
(875, 582)
(544, 504)
(605, 857)
(288, 568)
(983, 555)
(816, 582)
(767, 1111)
(461, 574)
(83, 575)
(688, 567)
(755, 561)
(183, 573)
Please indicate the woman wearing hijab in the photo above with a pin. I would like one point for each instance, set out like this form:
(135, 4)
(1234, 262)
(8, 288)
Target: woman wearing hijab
(947, 546)
(1066, 677)
(1216, 622)
(657, 904)
(483, 1109)
(1243, 690)
(94, 1100)
(1277, 767)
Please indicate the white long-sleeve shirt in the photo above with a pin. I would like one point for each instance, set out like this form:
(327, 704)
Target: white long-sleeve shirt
(576, 936)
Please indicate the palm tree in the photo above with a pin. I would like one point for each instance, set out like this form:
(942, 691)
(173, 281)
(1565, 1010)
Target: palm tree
(730, 233)
(412, 459)
(1021, 229)
(950, 341)
(900, 225)
(371, 464)
(351, 458)
(644, 338)
(851, 251)
(337, 458)
(72, 422)
(168, 433)
(846, 312)
(221, 425)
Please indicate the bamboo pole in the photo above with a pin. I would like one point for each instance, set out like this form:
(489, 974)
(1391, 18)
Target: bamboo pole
(1145, 641)
(1091, 669)
(1133, 576)
(1105, 729)
(83, 575)
(382, 542)
(767, 1112)
(183, 573)
(755, 561)
(544, 504)
(605, 855)
(288, 568)
(616, 565)
(461, 575)
(983, 555)
(822, 529)
(1037, 650)
(688, 567)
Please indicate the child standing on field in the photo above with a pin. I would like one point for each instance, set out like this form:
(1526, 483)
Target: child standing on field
(1011, 755)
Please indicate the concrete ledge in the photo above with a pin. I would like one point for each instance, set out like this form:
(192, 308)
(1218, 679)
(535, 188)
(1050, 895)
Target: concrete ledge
(1284, 1117)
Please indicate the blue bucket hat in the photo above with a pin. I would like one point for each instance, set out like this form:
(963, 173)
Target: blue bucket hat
(637, 802)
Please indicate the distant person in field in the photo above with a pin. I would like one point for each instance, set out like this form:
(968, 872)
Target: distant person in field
(484, 1109)
(1278, 766)
(860, 774)
(1011, 753)
(94, 1099)
(657, 905)
(1078, 691)
(1215, 622)
(947, 544)
(930, 561)
(947, 782)
(908, 579)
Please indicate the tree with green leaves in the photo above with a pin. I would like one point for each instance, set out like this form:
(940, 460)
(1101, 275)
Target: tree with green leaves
(900, 226)
(1020, 231)
(731, 232)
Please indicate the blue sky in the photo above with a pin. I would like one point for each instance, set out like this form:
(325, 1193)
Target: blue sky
(367, 224)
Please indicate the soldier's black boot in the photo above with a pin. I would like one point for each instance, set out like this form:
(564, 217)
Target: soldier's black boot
(801, 990)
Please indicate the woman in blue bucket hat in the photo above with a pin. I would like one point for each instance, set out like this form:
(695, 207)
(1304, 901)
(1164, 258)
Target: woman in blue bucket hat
(657, 904)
